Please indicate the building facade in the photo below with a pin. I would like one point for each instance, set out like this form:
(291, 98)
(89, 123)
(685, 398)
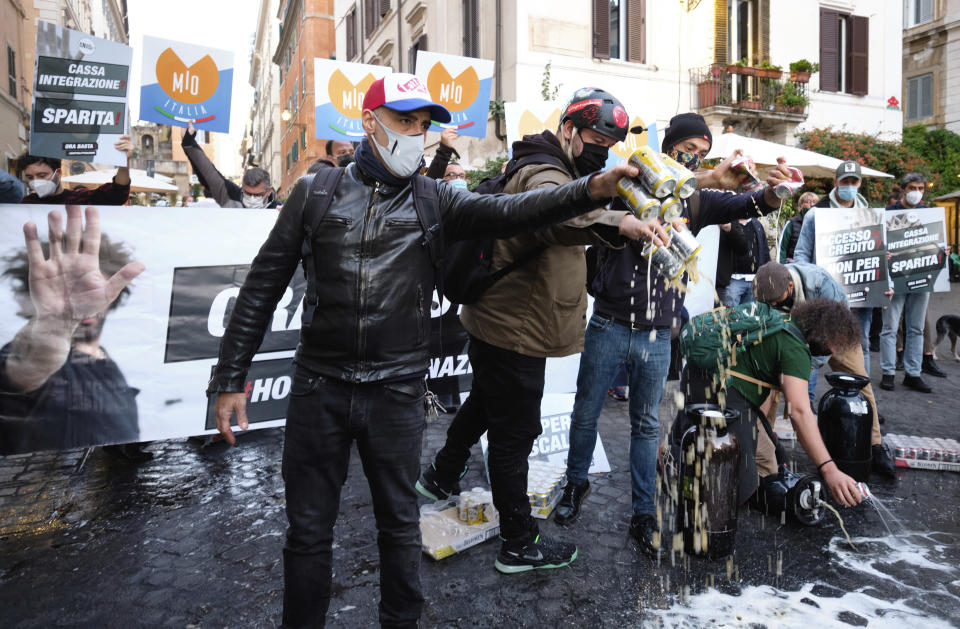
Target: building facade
(262, 141)
(306, 32)
(931, 63)
(656, 56)
(158, 150)
(15, 24)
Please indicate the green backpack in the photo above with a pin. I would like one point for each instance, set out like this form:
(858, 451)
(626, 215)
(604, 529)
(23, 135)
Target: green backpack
(715, 340)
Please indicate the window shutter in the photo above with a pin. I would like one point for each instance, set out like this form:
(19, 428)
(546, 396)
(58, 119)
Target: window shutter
(829, 51)
(352, 34)
(601, 29)
(764, 30)
(369, 17)
(384, 7)
(637, 31)
(857, 46)
(721, 30)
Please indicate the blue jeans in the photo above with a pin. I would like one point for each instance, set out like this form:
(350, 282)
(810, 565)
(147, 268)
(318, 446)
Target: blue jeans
(324, 418)
(914, 309)
(607, 347)
(738, 292)
(865, 316)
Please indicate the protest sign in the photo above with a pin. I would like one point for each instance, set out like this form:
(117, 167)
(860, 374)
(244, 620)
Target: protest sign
(850, 246)
(917, 241)
(462, 85)
(526, 118)
(183, 83)
(339, 88)
(79, 96)
(161, 342)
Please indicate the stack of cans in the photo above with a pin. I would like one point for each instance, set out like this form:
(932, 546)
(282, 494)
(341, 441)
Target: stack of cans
(545, 482)
(925, 452)
(476, 506)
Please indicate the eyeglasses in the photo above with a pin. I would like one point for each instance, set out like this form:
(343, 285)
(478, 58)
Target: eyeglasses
(455, 176)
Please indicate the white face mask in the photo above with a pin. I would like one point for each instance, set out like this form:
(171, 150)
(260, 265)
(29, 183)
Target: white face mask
(403, 154)
(253, 201)
(914, 197)
(44, 187)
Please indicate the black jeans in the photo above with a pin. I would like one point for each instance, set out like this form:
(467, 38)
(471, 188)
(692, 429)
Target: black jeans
(324, 417)
(504, 401)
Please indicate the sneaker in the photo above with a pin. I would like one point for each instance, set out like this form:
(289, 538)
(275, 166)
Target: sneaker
(642, 528)
(886, 382)
(539, 554)
(431, 486)
(618, 393)
(568, 509)
(916, 383)
(929, 366)
(899, 365)
(882, 462)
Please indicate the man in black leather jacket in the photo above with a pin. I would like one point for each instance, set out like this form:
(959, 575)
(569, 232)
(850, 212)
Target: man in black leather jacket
(364, 346)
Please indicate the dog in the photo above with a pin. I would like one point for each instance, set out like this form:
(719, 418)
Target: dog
(948, 325)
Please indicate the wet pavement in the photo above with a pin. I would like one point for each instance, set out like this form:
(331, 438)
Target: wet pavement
(192, 538)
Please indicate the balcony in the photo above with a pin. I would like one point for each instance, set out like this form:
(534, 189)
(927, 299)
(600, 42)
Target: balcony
(754, 99)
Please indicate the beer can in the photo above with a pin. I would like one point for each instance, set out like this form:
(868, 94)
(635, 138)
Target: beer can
(671, 209)
(686, 180)
(658, 179)
(950, 457)
(787, 189)
(924, 454)
(741, 166)
(900, 452)
(911, 452)
(683, 243)
(463, 507)
(864, 491)
(644, 206)
(664, 260)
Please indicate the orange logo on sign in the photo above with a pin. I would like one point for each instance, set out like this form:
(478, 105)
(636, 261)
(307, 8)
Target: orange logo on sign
(634, 141)
(531, 124)
(347, 96)
(187, 85)
(456, 94)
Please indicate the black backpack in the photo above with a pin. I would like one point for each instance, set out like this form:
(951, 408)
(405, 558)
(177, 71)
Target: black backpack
(467, 269)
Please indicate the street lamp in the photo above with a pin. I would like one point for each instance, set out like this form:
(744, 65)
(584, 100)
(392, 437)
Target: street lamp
(286, 115)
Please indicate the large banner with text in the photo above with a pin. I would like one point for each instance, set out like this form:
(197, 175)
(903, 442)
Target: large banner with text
(462, 85)
(850, 244)
(917, 242)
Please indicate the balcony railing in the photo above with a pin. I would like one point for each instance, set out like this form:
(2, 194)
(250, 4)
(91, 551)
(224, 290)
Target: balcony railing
(749, 89)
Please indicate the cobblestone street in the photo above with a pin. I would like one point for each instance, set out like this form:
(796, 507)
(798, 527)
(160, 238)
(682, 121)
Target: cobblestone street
(192, 538)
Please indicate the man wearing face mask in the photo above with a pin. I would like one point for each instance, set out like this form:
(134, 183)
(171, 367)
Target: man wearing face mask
(535, 312)
(254, 191)
(364, 348)
(784, 286)
(631, 327)
(845, 194)
(456, 176)
(43, 175)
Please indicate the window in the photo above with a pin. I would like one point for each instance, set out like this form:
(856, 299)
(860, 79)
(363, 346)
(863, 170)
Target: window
(293, 97)
(919, 97)
(471, 28)
(295, 152)
(351, 33)
(303, 138)
(303, 79)
(12, 70)
(373, 12)
(917, 12)
(420, 44)
(619, 30)
(844, 41)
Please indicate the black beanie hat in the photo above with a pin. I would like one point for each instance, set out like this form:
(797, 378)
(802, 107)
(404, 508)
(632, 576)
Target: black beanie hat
(683, 126)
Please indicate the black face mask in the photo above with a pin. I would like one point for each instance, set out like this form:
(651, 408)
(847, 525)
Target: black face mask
(592, 158)
(344, 160)
(786, 304)
(816, 349)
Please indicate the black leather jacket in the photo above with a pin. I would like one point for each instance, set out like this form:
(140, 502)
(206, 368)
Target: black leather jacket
(374, 276)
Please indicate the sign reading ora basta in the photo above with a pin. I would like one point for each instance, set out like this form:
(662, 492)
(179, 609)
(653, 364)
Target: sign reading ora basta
(79, 96)
(850, 245)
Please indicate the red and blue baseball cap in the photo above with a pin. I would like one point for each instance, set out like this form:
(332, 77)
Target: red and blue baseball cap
(403, 92)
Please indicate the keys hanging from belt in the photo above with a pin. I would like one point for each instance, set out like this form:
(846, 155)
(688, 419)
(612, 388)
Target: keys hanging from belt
(433, 406)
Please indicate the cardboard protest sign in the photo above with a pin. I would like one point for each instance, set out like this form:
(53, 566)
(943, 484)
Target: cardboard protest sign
(917, 241)
(850, 246)
(183, 83)
(462, 85)
(161, 341)
(525, 118)
(79, 96)
(339, 88)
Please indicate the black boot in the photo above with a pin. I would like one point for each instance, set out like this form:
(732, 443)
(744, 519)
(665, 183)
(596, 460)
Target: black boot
(642, 528)
(882, 462)
(568, 509)
(533, 553)
(886, 382)
(916, 383)
(899, 366)
(929, 366)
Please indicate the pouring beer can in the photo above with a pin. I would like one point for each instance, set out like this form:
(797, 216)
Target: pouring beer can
(664, 260)
(644, 206)
(686, 180)
(741, 166)
(654, 172)
(683, 243)
(671, 209)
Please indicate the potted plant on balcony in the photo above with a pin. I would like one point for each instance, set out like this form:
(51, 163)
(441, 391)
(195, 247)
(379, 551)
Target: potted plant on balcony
(750, 101)
(767, 70)
(740, 67)
(801, 70)
(708, 89)
(791, 99)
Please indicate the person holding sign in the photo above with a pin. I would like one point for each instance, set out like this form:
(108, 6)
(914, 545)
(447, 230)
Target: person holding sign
(253, 192)
(365, 342)
(43, 175)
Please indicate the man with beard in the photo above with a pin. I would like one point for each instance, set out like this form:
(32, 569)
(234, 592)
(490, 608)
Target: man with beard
(59, 389)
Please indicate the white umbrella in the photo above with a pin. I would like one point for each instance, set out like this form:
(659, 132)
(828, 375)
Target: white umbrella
(765, 153)
(139, 181)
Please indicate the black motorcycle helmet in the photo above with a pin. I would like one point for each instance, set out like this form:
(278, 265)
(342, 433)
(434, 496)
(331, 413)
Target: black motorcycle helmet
(593, 108)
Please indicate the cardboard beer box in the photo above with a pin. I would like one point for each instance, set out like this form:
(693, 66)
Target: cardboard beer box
(444, 534)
